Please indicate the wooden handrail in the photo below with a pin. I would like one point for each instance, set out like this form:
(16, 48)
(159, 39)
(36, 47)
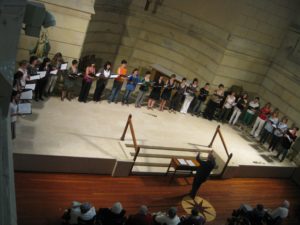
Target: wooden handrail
(223, 141)
(214, 137)
(126, 127)
(170, 148)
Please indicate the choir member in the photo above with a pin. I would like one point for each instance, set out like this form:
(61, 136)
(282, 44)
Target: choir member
(23, 68)
(56, 62)
(17, 83)
(251, 110)
(44, 66)
(278, 133)
(69, 81)
(260, 120)
(189, 95)
(200, 99)
(238, 109)
(143, 90)
(178, 96)
(167, 91)
(132, 81)
(227, 106)
(102, 80)
(118, 82)
(32, 71)
(13, 107)
(271, 122)
(286, 142)
(214, 102)
(156, 92)
(87, 82)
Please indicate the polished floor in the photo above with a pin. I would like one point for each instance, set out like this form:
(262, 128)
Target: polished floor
(41, 198)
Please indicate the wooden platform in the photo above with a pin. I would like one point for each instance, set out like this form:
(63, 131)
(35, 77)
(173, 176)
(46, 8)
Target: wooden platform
(41, 198)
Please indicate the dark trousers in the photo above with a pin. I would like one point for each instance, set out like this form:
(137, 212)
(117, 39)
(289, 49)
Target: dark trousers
(39, 88)
(264, 136)
(198, 181)
(117, 86)
(274, 142)
(84, 92)
(210, 110)
(224, 114)
(175, 101)
(100, 86)
(126, 96)
(197, 106)
(282, 151)
(13, 130)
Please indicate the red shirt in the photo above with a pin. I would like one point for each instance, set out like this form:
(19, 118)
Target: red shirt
(264, 112)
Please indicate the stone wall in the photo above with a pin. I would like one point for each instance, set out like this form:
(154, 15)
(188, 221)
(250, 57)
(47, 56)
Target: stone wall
(72, 19)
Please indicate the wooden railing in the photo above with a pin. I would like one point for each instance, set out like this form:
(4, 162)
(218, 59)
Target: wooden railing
(138, 147)
(229, 155)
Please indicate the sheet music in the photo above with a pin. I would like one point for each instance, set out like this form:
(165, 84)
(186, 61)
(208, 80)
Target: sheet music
(182, 161)
(54, 72)
(24, 108)
(35, 77)
(64, 66)
(79, 74)
(190, 163)
(42, 74)
(26, 95)
(114, 76)
(30, 86)
(98, 74)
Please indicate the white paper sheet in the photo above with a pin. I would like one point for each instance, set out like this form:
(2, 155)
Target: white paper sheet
(98, 74)
(30, 86)
(26, 95)
(79, 74)
(190, 163)
(35, 77)
(114, 76)
(182, 161)
(24, 108)
(64, 66)
(54, 72)
(42, 74)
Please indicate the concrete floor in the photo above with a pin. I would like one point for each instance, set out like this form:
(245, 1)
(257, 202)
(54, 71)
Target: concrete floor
(93, 130)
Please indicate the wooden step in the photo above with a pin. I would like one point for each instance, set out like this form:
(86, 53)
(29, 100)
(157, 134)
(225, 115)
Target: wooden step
(153, 147)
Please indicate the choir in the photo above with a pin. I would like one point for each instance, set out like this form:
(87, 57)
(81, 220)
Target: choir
(182, 96)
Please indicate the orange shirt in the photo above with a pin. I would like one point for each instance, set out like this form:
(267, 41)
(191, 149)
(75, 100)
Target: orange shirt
(122, 73)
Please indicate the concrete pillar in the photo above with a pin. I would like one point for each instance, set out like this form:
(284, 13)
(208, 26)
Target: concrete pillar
(11, 17)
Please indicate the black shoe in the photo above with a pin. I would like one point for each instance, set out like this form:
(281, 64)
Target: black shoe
(41, 98)
(36, 99)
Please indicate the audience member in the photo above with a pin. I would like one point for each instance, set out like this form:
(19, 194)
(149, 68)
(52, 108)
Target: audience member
(87, 212)
(143, 217)
(193, 219)
(281, 212)
(113, 216)
(170, 218)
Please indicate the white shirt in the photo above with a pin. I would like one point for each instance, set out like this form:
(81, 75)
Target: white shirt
(167, 220)
(253, 105)
(230, 100)
(13, 110)
(24, 78)
(106, 73)
(281, 212)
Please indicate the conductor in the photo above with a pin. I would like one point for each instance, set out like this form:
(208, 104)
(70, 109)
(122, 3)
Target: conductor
(202, 173)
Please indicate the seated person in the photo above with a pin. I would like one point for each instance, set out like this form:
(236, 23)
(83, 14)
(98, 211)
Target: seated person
(88, 213)
(113, 216)
(193, 219)
(143, 217)
(281, 212)
(170, 219)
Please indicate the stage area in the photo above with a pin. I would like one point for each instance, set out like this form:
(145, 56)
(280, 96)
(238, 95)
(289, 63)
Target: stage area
(85, 138)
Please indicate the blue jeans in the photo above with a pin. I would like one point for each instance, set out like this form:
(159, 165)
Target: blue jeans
(117, 86)
(126, 96)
